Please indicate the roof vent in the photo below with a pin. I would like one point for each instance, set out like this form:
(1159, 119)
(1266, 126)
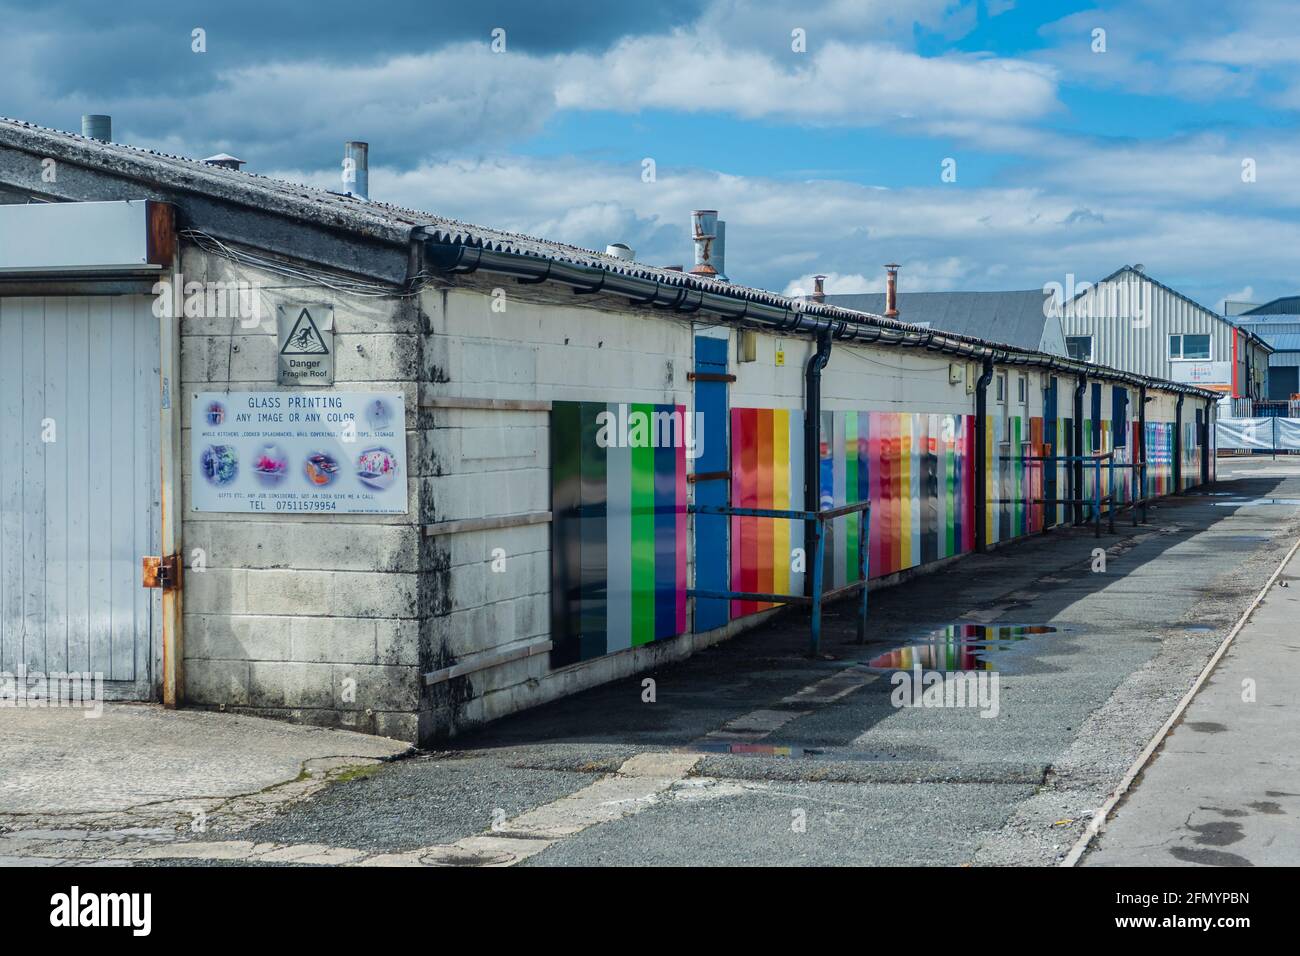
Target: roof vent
(97, 126)
(620, 250)
(704, 227)
(225, 161)
(891, 290)
(356, 168)
(819, 289)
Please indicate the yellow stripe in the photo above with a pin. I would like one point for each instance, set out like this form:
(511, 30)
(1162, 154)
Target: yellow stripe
(781, 499)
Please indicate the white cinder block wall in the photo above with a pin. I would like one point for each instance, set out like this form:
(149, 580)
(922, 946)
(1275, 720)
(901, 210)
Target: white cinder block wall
(294, 612)
(291, 609)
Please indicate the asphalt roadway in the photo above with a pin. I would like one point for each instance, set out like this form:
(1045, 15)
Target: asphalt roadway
(809, 762)
(751, 753)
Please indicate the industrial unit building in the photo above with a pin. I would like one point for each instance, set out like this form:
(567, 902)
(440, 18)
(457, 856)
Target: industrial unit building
(421, 474)
(1129, 320)
(1277, 323)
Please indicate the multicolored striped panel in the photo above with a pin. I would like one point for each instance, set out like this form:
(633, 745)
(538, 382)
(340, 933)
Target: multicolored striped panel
(766, 472)
(618, 548)
(917, 471)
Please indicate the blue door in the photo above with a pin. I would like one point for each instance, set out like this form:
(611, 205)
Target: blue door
(711, 531)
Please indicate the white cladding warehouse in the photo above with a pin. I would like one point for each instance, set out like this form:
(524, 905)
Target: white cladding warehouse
(404, 475)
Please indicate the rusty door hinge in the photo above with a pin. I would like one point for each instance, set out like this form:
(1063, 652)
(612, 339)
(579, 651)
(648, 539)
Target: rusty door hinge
(156, 572)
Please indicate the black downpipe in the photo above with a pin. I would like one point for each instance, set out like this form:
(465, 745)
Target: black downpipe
(1206, 437)
(812, 435)
(1142, 448)
(1076, 467)
(981, 458)
(812, 424)
(1178, 447)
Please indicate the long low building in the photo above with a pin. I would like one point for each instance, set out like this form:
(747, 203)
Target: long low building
(288, 452)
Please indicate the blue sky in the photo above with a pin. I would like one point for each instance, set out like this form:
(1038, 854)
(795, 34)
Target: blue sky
(1069, 158)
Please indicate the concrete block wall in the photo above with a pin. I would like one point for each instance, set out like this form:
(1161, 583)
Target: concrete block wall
(544, 345)
(313, 618)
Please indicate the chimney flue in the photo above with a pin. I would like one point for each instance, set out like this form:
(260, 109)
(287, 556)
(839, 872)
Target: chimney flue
(97, 126)
(891, 290)
(704, 227)
(819, 289)
(356, 168)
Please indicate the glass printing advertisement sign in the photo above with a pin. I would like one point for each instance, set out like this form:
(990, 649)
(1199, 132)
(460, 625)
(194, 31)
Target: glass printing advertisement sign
(298, 452)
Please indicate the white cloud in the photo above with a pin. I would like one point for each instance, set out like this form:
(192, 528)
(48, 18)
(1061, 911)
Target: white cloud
(862, 84)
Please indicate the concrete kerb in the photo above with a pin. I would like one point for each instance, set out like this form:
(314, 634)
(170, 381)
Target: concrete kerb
(1098, 822)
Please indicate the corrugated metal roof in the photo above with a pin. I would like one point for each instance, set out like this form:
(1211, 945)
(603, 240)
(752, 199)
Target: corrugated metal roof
(1283, 341)
(394, 224)
(1008, 318)
(377, 219)
(1287, 305)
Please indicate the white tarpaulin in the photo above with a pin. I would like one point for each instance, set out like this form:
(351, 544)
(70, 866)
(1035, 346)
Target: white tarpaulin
(1267, 434)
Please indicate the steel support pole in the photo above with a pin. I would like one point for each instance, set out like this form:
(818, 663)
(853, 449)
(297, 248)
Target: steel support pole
(819, 551)
(864, 531)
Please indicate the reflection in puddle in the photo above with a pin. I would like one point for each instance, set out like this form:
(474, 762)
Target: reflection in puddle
(957, 647)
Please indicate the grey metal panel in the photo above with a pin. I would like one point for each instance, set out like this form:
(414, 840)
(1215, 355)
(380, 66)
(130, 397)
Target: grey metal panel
(71, 237)
(1011, 318)
(1140, 343)
(78, 510)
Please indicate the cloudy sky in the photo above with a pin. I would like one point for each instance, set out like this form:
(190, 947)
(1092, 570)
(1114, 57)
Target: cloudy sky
(821, 131)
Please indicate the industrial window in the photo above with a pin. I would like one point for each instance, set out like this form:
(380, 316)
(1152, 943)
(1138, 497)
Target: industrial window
(1079, 347)
(1189, 346)
(1022, 389)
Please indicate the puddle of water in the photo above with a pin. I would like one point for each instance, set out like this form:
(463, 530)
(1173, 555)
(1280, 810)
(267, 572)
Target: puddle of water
(957, 647)
(1248, 502)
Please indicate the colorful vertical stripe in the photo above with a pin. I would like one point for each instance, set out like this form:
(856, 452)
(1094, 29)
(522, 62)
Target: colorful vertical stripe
(766, 472)
(618, 501)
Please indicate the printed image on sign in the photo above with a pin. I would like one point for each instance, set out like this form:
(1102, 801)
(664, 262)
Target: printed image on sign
(306, 339)
(286, 452)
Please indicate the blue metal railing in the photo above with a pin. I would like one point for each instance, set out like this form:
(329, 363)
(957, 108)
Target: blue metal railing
(816, 523)
(1138, 496)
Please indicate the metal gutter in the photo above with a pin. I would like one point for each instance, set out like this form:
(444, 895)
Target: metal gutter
(685, 294)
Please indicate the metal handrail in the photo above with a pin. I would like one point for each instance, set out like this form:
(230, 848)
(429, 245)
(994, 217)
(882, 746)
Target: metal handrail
(815, 520)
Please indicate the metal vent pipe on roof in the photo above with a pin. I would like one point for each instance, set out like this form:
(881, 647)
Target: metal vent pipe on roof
(704, 227)
(891, 290)
(356, 168)
(97, 126)
(819, 289)
(620, 250)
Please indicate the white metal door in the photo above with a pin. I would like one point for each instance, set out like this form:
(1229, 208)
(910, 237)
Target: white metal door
(79, 479)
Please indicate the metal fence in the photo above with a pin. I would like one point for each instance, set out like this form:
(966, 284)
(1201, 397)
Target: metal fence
(816, 524)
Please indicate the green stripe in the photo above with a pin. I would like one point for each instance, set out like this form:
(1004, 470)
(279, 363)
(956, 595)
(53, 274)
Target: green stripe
(643, 534)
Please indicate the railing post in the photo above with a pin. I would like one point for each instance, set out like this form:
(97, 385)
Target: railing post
(1110, 481)
(1096, 497)
(819, 552)
(864, 531)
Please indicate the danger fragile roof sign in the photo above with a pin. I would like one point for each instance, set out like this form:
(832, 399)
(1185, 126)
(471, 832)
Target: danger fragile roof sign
(306, 343)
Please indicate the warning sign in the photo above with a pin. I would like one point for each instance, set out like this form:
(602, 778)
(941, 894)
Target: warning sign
(306, 344)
